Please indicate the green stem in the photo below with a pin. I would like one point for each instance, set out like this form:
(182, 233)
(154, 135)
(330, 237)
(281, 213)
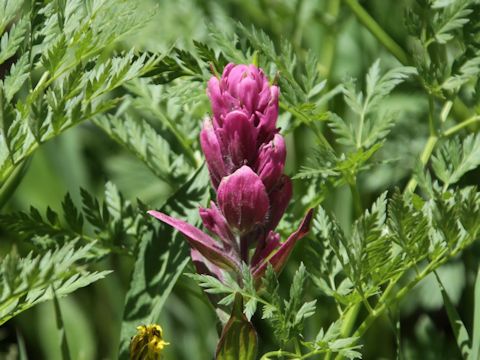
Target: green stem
(277, 354)
(298, 351)
(432, 141)
(347, 325)
(330, 45)
(377, 31)
(431, 118)
(460, 110)
(384, 304)
(314, 126)
(350, 319)
(297, 27)
(386, 300)
(61, 328)
(427, 151)
(8, 188)
(357, 200)
(462, 125)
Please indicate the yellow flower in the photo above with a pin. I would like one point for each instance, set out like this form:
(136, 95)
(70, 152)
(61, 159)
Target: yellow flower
(148, 344)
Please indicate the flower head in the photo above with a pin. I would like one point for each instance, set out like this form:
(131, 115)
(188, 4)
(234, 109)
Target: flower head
(148, 343)
(245, 110)
(245, 88)
(245, 156)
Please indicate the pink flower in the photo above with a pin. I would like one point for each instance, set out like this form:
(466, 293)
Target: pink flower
(245, 156)
(243, 200)
(271, 161)
(245, 88)
(245, 110)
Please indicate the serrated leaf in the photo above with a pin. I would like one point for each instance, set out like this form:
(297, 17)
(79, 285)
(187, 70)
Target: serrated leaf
(165, 255)
(450, 19)
(453, 159)
(11, 40)
(469, 71)
(28, 281)
(19, 72)
(305, 311)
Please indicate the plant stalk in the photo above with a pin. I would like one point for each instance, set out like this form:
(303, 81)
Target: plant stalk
(377, 31)
(463, 124)
(426, 153)
(357, 200)
(460, 110)
(61, 328)
(8, 188)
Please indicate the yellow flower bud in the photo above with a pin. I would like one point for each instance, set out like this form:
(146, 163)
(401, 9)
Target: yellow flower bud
(148, 344)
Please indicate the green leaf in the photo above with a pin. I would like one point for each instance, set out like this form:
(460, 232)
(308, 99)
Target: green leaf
(25, 282)
(74, 80)
(370, 127)
(475, 349)
(305, 311)
(330, 341)
(10, 41)
(142, 140)
(453, 159)
(8, 11)
(61, 329)
(19, 72)
(458, 328)
(450, 19)
(469, 70)
(161, 258)
(345, 131)
(238, 339)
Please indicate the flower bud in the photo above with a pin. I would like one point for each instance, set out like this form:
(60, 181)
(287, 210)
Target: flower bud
(148, 343)
(214, 221)
(213, 154)
(245, 88)
(279, 198)
(239, 138)
(267, 116)
(271, 161)
(243, 199)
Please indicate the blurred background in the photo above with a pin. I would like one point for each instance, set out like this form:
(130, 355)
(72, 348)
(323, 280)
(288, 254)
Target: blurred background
(85, 157)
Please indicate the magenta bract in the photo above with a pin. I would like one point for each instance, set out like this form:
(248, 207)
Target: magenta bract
(243, 199)
(245, 155)
(271, 161)
(245, 88)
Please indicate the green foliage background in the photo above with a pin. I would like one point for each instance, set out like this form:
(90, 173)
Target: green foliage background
(104, 103)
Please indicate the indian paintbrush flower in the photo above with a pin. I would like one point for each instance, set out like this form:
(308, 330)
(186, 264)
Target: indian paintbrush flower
(245, 155)
(245, 88)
